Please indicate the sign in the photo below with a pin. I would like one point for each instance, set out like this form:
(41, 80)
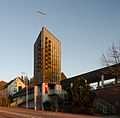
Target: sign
(46, 88)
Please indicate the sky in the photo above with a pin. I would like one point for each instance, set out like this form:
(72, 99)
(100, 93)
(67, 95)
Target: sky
(86, 28)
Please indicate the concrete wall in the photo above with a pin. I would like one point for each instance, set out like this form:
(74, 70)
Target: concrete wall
(110, 95)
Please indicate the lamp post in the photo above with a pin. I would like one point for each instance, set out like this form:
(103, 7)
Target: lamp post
(26, 90)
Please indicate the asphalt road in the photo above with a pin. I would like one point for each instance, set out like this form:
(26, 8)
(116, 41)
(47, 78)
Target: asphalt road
(6, 112)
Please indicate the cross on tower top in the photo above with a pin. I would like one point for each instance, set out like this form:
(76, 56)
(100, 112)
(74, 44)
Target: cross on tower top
(41, 12)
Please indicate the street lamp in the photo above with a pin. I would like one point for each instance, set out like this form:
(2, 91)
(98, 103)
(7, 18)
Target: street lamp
(26, 90)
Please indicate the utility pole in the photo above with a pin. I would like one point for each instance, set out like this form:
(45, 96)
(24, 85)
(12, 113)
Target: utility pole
(26, 90)
(26, 93)
(41, 12)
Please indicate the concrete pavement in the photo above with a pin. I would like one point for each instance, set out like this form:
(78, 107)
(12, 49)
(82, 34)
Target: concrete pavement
(6, 112)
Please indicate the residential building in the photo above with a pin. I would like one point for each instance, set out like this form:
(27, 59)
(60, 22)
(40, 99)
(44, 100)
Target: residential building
(12, 87)
(19, 98)
(2, 83)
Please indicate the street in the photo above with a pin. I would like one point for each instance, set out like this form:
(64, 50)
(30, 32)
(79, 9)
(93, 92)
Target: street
(23, 113)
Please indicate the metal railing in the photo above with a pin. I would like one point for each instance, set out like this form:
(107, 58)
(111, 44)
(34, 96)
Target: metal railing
(104, 106)
(23, 99)
(60, 93)
(17, 102)
(30, 97)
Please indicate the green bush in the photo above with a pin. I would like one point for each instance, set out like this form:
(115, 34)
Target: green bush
(48, 106)
(80, 97)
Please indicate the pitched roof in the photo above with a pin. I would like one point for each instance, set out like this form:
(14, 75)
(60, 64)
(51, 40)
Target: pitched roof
(2, 83)
(6, 85)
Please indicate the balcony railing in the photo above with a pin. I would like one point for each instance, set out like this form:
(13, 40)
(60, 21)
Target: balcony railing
(104, 106)
(60, 93)
(23, 99)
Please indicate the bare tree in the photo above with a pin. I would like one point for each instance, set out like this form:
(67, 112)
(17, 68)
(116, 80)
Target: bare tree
(26, 80)
(111, 59)
(32, 80)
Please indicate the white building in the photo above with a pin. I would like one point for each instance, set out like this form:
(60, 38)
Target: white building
(12, 87)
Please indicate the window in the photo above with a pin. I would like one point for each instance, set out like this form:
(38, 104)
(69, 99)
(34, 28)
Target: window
(45, 51)
(46, 38)
(39, 44)
(39, 61)
(49, 54)
(15, 90)
(40, 49)
(40, 57)
(49, 41)
(41, 53)
(49, 62)
(19, 88)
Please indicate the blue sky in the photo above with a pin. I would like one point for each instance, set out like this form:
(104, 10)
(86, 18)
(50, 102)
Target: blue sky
(84, 27)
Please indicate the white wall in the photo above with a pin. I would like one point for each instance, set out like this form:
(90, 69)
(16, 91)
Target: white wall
(14, 86)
